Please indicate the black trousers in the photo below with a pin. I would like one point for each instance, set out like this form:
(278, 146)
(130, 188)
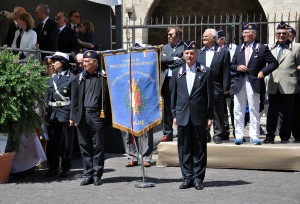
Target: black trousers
(167, 119)
(296, 118)
(60, 144)
(219, 117)
(284, 104)
(192, 151)
(91, 142)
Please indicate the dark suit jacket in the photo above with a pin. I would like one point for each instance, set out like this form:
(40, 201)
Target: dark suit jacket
(198, 106)
(79, 107)
(12, 28)
(47, 38)
(167, 59)
(220, 67)
(67, 88)
(67, 41)
(260, 60)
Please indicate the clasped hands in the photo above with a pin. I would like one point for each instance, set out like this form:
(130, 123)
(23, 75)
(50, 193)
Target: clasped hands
(243, 68)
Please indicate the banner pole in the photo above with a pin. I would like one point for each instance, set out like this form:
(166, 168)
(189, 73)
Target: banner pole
(143, 184)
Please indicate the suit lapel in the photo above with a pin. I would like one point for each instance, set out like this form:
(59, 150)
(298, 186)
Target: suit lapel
(286, 52)
(182, 79)
(202, 57)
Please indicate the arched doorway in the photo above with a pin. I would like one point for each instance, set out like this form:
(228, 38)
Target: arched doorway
(199, 15)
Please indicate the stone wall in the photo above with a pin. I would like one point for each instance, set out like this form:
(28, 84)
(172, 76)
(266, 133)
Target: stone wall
(144, 9)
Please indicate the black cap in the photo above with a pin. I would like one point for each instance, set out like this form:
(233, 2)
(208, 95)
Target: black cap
(189, 45)
(91, 54)
(250, 26)
(292, 30)
(282, 25)
(221, 34)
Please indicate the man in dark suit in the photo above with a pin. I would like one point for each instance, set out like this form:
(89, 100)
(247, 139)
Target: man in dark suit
(13, 26)
(47, 30)
(74, 18)
(92, 98)
(60, 97)
(192, 109)
(218, 59)
(251, 62)
(67, 39)
(170, 58)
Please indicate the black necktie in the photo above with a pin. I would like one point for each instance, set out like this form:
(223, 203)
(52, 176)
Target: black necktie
(41, 26)
(74, 27)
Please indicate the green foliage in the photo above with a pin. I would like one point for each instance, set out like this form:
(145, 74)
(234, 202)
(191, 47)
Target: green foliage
(22, 86)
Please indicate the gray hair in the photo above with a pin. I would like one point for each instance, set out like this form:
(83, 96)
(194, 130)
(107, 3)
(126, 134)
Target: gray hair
(45, 8)
(214, 33)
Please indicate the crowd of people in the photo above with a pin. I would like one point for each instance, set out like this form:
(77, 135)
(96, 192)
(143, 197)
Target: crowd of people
(66, 33)
(197, 86)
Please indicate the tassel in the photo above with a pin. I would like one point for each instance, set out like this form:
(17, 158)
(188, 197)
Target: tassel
(161, 104)
(102, 115)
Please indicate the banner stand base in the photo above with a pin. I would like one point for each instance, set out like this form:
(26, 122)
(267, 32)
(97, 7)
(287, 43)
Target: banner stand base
(144, 185)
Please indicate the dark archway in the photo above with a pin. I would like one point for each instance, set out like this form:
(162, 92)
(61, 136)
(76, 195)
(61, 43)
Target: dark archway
(210, 13)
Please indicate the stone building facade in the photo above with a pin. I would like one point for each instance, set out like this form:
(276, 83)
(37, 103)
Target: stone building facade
(145, 12)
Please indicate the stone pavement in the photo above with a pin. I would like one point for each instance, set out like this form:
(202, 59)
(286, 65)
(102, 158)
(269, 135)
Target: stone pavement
(220, 186)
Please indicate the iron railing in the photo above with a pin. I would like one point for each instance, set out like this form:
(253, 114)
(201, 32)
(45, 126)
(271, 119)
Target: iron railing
(194, 26)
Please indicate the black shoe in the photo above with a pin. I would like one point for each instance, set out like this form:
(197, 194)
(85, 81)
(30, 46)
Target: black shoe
(88, 180)
(208, 136)
(97, 181)
(284, 141)
(198, 186)
(64, 173)
(186, 184)
(226, 136)
(244, 140)
(51, 173)
(268, 140)
(217, 139)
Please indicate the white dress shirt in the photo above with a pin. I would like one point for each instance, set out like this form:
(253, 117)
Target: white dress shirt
(190, 77)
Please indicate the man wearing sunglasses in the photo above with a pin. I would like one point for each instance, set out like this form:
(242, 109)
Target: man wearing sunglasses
(170, 58)
(282, 86)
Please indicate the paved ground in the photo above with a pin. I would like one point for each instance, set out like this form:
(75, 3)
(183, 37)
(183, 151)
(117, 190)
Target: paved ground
(220, 186)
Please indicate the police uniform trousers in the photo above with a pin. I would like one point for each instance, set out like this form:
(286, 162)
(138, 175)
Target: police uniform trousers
(240, 102)
(192, 151)
(91, 142)
(60, 144)
(167, 118)
(144, 142)
(284, 104)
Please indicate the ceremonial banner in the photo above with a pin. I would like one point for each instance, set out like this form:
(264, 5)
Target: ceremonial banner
(134, 90)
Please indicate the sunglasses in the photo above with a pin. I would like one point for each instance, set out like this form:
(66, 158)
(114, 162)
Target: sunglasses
(279, 33)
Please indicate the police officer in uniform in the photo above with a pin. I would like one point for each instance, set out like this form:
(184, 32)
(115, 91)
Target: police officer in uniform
(60, 103)
(92, 90)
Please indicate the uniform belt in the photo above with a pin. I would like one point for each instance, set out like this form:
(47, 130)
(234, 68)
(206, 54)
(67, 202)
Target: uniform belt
(59, 103)
(91, 110)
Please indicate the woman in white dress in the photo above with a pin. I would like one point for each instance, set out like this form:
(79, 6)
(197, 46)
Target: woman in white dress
(25, 37)
(30, 152)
